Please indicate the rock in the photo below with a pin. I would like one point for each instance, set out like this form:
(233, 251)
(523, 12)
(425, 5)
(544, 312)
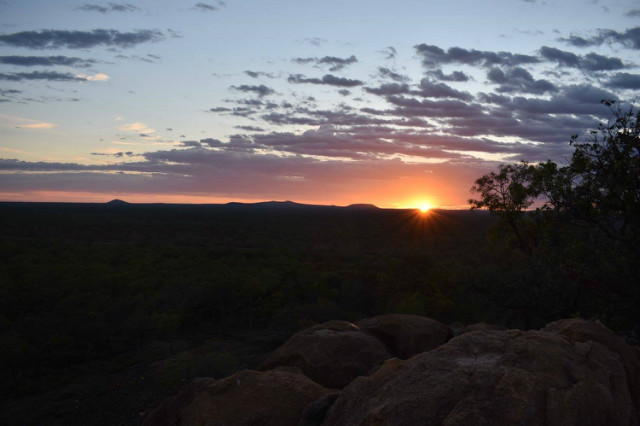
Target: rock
(406, 335)
(582, 331)
(504, 377)
(246, 398)
(481, 326)
(331, 354)
(315, 412)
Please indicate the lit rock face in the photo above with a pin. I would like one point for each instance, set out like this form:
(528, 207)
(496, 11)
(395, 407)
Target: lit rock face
(274, 397)
(331, 354)
(573, 372)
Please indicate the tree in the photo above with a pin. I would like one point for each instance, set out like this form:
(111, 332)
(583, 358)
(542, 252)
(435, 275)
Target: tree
(586, 229)
(508, 193)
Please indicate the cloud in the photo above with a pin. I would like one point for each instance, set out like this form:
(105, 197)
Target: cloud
(335, 63)
(110, 7)
(629, 38)
(137, 127)
(623, 80)
(95, 77)
(429, 89)
(57, 39)
(633, 13)
(454, 76)
(389, 52)
(590, 62)
(315, 41)
(250, 128)
(260, 90)
(433, 56)
(257, 74)
(328, 79)
(519, 80)
(206, 7)
(387, 73)
(389, 89)
(30, 61)
(40, 75)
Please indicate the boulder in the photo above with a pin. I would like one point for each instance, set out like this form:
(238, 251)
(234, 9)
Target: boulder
(481, 326)
(247, 398)
(581, 331)
(504, 377)
(406, 335)
(331, 354)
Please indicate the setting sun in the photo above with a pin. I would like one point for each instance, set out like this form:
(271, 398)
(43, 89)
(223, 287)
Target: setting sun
(424, 207)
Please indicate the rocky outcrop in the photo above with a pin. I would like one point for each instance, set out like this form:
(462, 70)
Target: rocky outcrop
(572, 372)
(498, 378)
(406, 335)
(331, 354)
(247, 398)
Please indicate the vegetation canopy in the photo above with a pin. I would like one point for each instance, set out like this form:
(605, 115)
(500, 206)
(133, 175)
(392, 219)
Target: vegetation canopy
(586, 223)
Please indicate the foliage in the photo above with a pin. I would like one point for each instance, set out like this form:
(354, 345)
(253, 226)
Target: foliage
(586, 224)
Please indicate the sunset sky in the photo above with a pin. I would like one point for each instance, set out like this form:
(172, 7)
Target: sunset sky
(394, 103)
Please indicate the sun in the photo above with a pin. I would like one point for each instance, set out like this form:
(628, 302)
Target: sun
(424, 207)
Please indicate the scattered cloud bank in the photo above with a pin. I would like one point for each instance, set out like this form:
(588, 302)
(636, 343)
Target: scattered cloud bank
(466, 110)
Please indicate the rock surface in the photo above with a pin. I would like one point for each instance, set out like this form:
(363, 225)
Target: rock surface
(406, 335)
(581, 331)
(331, 354)
(247, 398)
(500, 378)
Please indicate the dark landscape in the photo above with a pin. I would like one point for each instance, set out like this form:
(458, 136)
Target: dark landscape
(107, 309)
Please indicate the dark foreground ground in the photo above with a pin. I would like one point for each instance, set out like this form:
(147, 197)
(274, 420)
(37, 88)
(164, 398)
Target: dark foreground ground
(107, 309)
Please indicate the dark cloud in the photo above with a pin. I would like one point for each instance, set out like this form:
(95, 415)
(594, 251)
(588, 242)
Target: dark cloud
(429, 89)
(257, 74)
(57, 39)
(389, 89)
(335, 63)
(344, 92)
(433, 56)
(29, 61)
(629, 38)
(634, 13)
(623, 80)
(206, 7)
(519, 80)
(9, 92)
(115, 154)
(40, 75)
(110, 7)
(389, 52)
(387, 73)
(260, 90)
(589, 62)
(152, 59)
(328, 79)
(454, 76)
(250, 128)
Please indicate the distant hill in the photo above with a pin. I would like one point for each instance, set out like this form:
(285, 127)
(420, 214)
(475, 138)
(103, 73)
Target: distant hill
(363, 207)
(117, 202)
(273, 204)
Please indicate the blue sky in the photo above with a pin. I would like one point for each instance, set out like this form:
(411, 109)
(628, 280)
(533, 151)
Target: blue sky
(333, 102)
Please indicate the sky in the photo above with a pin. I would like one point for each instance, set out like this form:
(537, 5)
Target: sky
(398, 104)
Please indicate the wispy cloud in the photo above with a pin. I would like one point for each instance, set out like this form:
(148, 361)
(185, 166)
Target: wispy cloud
(57, 39)
(109, 7)
(40, 75)
(30, 61)
(327, 79)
